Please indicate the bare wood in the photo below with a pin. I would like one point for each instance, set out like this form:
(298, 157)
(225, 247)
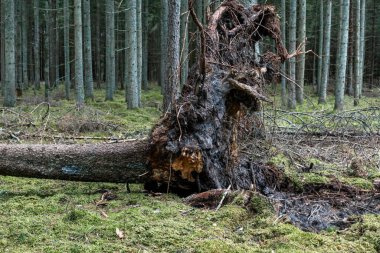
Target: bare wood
(116, 162)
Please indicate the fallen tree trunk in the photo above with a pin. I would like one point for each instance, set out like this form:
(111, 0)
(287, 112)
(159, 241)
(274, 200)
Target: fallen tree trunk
(116, 162)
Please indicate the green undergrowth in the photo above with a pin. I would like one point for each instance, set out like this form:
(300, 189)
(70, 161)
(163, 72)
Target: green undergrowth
(322, 173)
(32, 120)
(56, 216)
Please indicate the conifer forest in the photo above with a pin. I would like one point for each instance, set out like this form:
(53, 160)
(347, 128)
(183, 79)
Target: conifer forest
(189, 126)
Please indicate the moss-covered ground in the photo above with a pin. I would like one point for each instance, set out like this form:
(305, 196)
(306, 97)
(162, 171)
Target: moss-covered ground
(57, 216)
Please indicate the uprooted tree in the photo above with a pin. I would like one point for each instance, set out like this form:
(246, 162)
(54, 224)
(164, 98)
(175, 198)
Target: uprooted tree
(195, 145)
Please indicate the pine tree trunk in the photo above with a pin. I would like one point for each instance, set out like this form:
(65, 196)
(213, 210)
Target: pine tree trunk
(292, 48)
(145, 30)
(110, 50)
(18, 49)
(342, 61)
(9, 61)
(320, 46)
(36, 47)
(131, 68)
(357, 63)
(362, 44)
(164, 43)
(184, 47)
(301, 57)
(89, 162)
(66, 45)
(88, 78)
(24, 31)
(326, 58)
(284, 65)
(172, 89)
(47, 51)
(98, 49)
(139, 49)
(78, 31)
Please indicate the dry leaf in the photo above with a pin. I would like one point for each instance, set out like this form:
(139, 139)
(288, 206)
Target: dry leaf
(119, 233)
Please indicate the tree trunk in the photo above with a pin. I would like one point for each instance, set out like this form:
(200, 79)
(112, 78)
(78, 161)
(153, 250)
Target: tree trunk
(184, 42)
(118, 162)
(357, 63)
(326, 58)
(320, 46)
(9, 61)
(283, 67)
(24, 36)
(164, 42)
(36, 47)
(139, 49)
(131, 68)
(88, 79)
(301, 57)
(342, 61)
(292, 48)
(110, 50)
(173, 60)
(78, 52)
(47, 51)
(66, 45)
(144, 74)
(362, 44)
(98, 49)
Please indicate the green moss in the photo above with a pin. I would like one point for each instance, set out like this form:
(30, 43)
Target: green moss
(357, 182)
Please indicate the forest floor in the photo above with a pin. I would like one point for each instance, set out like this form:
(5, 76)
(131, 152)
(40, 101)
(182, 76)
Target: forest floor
(58, 216)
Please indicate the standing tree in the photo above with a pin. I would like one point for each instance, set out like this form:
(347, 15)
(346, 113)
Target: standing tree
(78, 52)
(301, 57)
(47, 51)
(88, 78)
(326, 59)
(131, 68)
(184, 42)
(139, 48)
(110, 50)
(320, 46)
(145, 34)
(164, 43)
(171, 88)
(66, 46)
(357, 58)
(292, 48)
(362, 43)
(9, 61)
(342, 53)
(24, 38)
(36, 46)
(283, 66)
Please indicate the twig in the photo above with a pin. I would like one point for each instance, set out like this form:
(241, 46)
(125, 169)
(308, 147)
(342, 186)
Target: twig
(224, 196)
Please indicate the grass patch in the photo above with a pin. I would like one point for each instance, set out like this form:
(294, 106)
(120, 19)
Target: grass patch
(64, 218)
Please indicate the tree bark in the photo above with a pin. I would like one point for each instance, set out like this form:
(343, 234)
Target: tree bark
(131, 66)
(9, 61)
(301, 57)
(173, 60)
(78, 52)
(326, 58)
(342, 60)
(36, 46)
(66, 45)
(292, 48)
(110, 50)
(118, 162)
(88, 78)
